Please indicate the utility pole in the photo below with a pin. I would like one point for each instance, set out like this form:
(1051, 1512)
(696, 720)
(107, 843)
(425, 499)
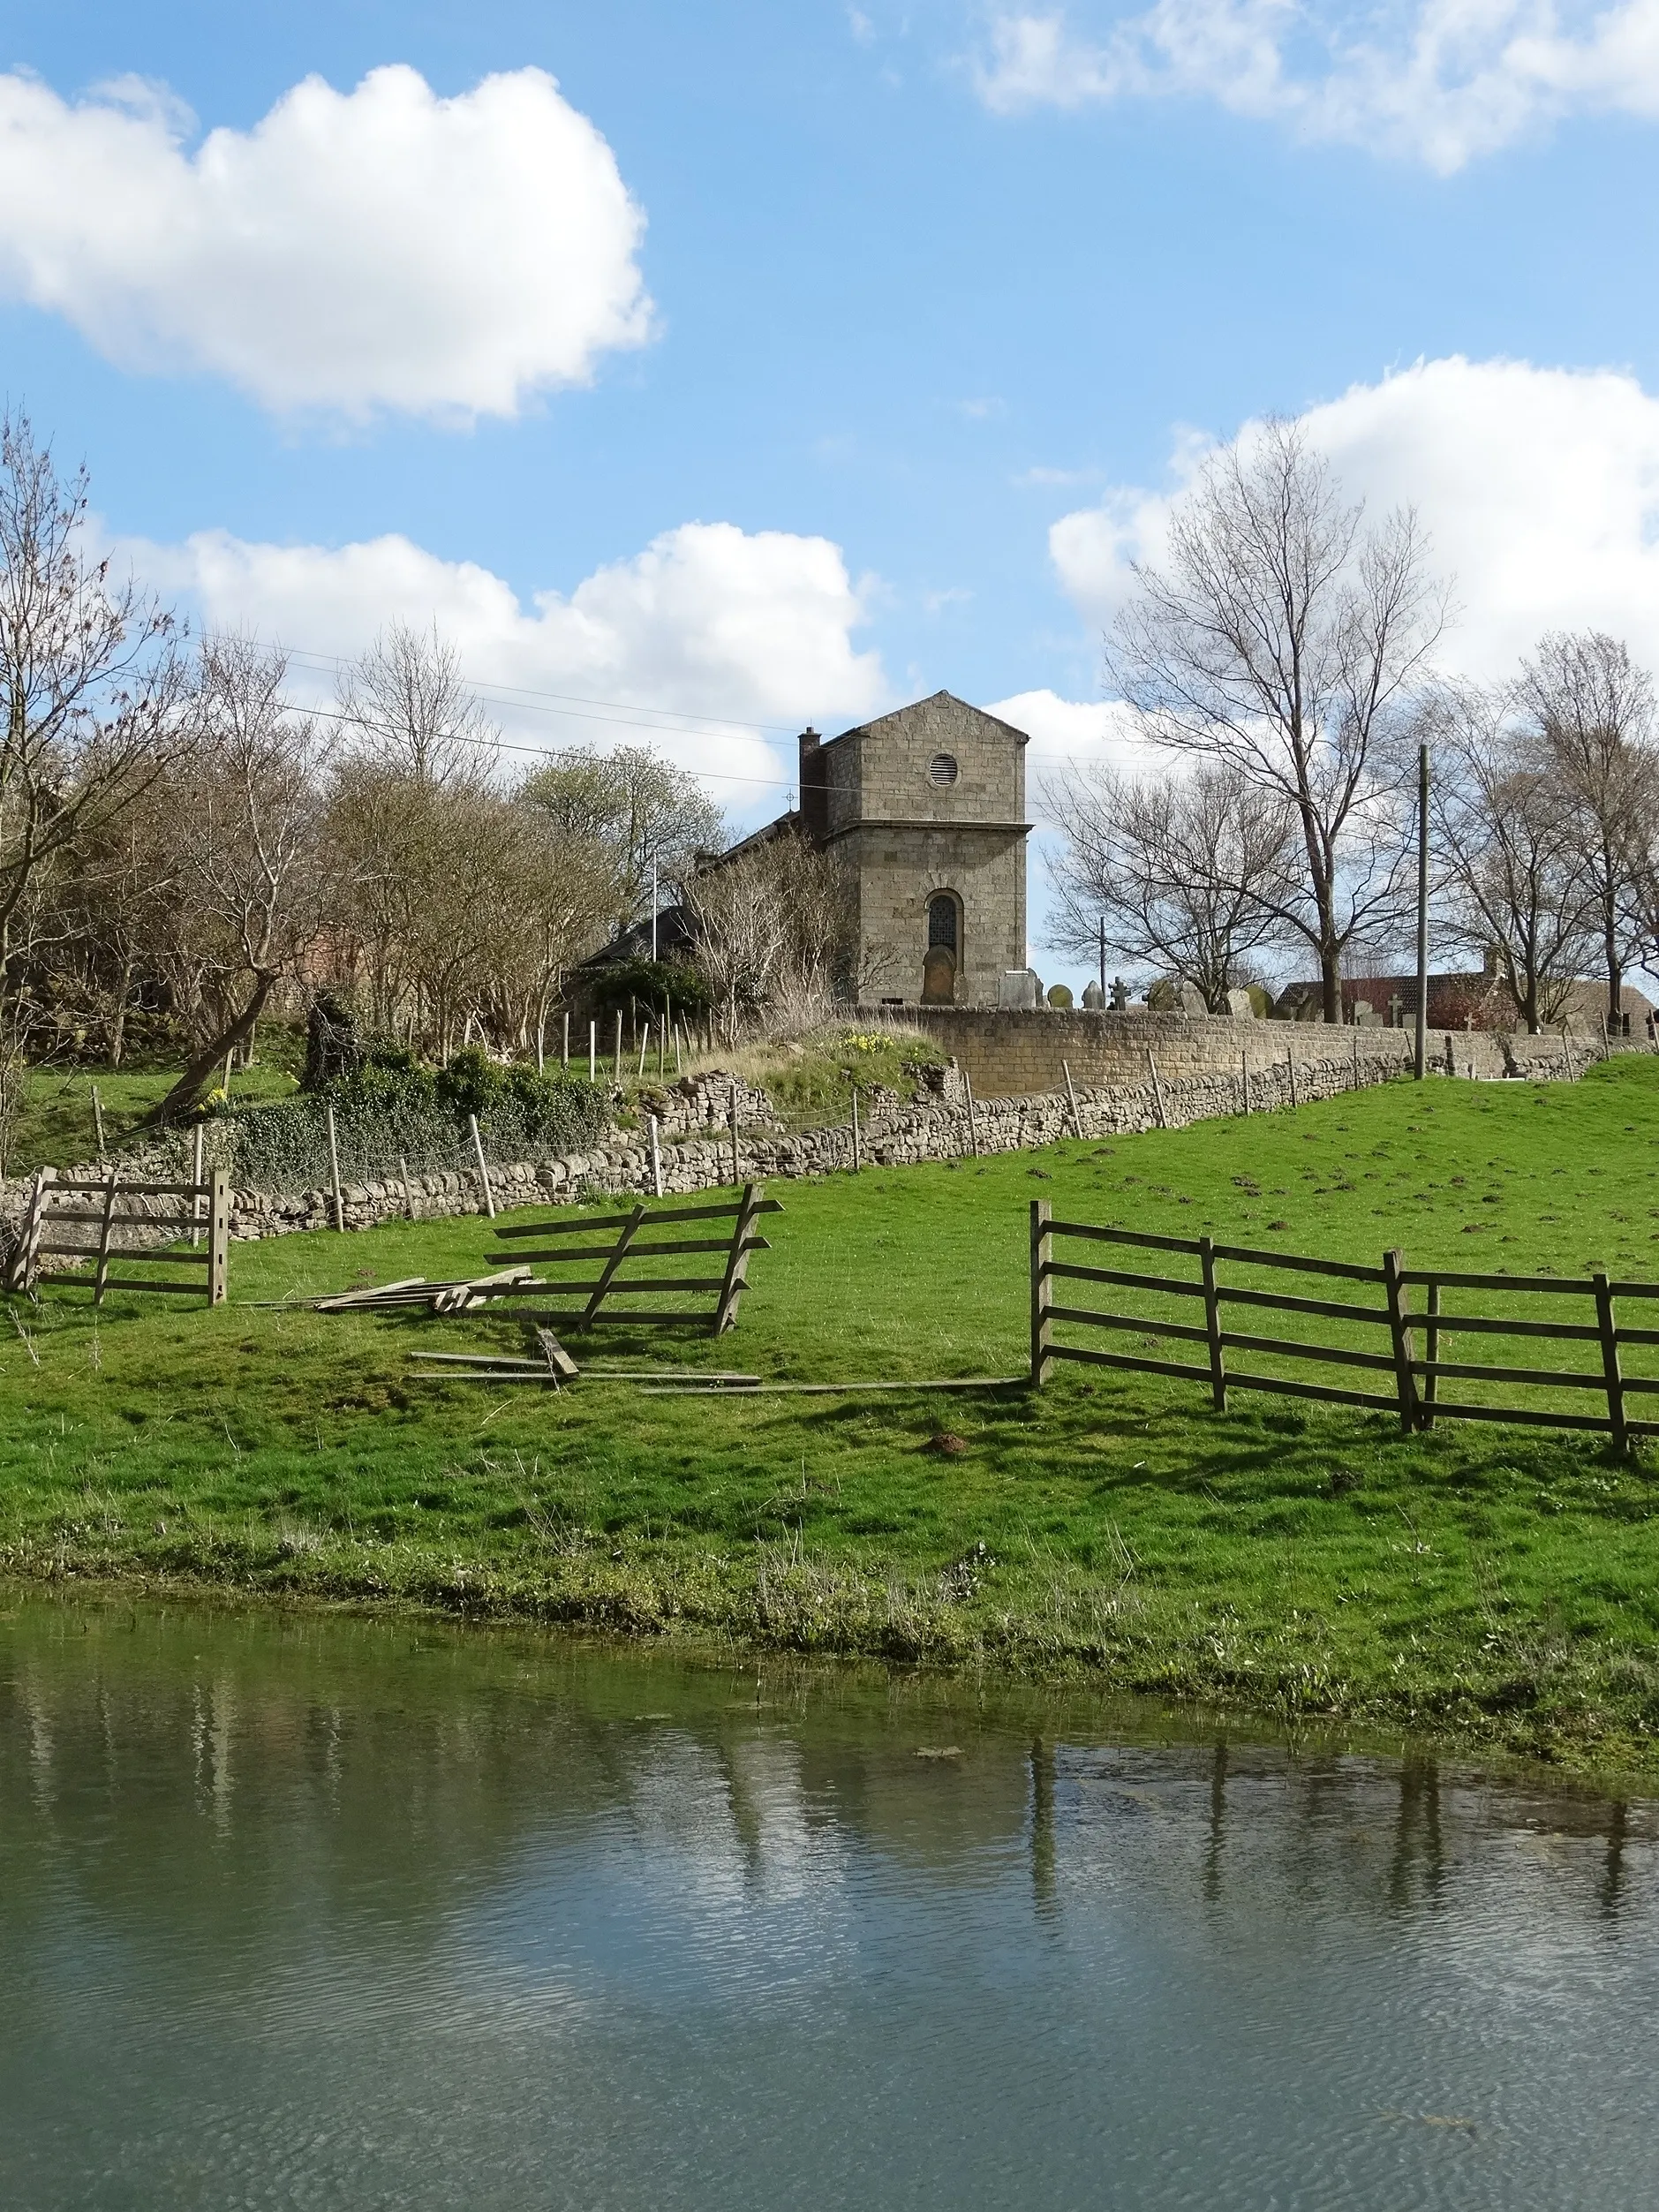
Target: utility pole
(1103, 960)
(1421, 1056)
(653, 913)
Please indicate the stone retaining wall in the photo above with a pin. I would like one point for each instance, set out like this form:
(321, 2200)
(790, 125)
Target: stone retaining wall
(1010, 1054)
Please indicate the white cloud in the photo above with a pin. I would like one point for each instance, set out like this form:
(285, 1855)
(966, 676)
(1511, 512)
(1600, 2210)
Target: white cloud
(377, 249)
(1439, 81)
(709, 623)
(1539, 489)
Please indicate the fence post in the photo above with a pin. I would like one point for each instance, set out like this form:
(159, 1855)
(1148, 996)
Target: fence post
(23, 1260)
(484, 1173)
(1356, 1040)
(197, 1135)
(1212, 1323)
(333, 1170)
(857, 1161)
(1431, 1333)
(105, 1230)
(564, 1047)
(1290, 1062)
(219, 1238)
(735, 1177)
(1610, 1362)
(1244, 1081)
(1399, 1325)
(1071, 1093)
(973, 1119)
(592, 1052)
(1157, 1089)
(644, 1046)
(409, 1196)
(737, 1260)
(618, 1074)
(97, 1122)
(656, 1160)
(1042, 1257)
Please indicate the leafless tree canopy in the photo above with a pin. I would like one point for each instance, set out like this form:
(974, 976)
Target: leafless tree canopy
(1592, 711)
(777, 929)
(1509, 851)
(1188, 871)
(89, 689)
(1282, 637)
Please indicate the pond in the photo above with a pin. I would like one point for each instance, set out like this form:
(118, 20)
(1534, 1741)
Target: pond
(312, 1911)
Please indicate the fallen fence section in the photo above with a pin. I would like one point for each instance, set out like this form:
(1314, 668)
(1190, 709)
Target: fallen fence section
(194, 1208)
(1373, 1304)
(636, 1240)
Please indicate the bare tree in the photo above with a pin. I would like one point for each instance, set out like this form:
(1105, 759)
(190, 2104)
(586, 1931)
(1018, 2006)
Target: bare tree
(1506, 839)
(1282, 640)
(1188, 871)
(1592, 709)
(404, 708)
(776, 929)
(89, 685)
(640, 809)
(253, 853)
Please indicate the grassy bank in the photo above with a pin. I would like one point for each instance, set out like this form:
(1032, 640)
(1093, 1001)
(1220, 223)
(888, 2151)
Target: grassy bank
(1500, 1583)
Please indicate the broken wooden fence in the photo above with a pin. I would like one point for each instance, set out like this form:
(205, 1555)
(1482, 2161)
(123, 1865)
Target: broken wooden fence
(636, 1239)
(1404, 1381)
(95, 1213)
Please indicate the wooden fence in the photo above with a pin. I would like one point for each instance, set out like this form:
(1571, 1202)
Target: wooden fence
(635, 1239)
(1404, 1382)
(199, 1209)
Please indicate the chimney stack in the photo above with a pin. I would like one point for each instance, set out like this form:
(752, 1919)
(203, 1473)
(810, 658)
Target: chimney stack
(814, 787)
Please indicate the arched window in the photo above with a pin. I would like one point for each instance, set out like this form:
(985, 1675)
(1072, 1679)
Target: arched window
(944, 951)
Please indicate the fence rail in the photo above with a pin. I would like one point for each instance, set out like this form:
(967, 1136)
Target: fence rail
(1414, 1396)
(630, 1245)
(199, 1208)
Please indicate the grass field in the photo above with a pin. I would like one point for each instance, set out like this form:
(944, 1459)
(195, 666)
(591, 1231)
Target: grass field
(56, 1126)
(1498, 1584)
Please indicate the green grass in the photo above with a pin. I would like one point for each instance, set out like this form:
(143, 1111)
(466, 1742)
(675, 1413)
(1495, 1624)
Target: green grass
(1497, 1583)
(55, 1126)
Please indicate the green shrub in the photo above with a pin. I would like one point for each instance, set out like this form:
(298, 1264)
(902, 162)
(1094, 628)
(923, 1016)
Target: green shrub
(385, 1112)
(649, 982)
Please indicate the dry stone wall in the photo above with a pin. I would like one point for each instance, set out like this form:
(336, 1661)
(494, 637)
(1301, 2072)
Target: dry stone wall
(696, 1152)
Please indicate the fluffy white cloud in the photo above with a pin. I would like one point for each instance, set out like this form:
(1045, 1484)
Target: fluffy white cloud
(1439, 81)
(708, 629)
(377, 249)
(1539, 489)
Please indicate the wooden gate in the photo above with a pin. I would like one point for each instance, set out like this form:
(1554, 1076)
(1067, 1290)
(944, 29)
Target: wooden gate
(198, 1209)
(635, 1239)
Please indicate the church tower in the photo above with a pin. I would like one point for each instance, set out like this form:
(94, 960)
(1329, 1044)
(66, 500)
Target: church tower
(927, 805)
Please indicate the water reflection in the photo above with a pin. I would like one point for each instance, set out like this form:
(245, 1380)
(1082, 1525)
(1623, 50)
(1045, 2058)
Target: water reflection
(339, 1912)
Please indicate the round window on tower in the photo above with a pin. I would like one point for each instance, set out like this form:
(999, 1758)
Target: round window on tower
(942, 771)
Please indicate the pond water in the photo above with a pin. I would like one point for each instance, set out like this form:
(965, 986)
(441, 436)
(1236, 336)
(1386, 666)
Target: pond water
(325, 1912)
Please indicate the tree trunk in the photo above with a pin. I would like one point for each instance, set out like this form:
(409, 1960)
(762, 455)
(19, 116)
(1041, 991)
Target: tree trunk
(196, 1077)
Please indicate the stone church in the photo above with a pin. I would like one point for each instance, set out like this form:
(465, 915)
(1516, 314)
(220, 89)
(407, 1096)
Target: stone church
(927, 805)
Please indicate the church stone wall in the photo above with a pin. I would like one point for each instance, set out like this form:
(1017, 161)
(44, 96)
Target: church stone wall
(908, 838)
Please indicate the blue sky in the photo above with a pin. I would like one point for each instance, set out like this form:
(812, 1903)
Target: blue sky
(947, 294)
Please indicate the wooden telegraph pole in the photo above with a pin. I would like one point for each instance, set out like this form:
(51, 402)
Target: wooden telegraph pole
(1420, 1054)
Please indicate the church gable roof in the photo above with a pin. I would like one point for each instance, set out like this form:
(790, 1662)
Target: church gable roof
(893, 723)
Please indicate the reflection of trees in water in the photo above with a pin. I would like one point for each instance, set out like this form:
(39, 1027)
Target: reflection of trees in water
(324, 1765)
